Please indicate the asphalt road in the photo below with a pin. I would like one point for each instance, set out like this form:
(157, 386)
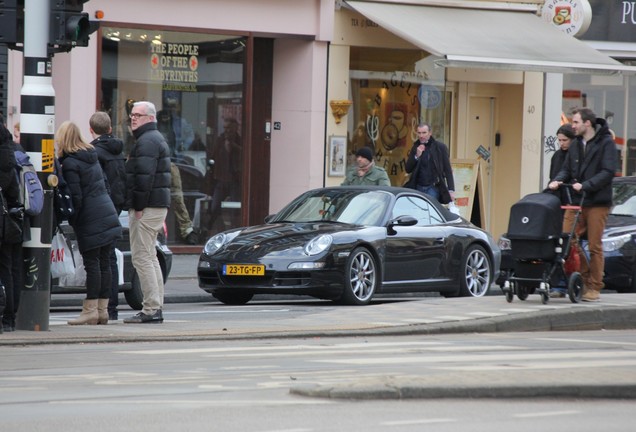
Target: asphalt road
(565, 381)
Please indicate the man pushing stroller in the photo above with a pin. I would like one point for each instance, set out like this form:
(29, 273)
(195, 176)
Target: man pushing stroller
(589, 166)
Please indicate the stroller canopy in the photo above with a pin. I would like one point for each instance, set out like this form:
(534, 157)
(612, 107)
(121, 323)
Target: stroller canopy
(536, 216)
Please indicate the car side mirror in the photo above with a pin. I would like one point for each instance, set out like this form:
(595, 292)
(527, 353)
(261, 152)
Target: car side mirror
(403, 221)
(268, 218)
(400, 221)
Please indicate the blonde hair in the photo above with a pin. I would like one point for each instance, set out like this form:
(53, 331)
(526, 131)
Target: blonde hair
(69, 139)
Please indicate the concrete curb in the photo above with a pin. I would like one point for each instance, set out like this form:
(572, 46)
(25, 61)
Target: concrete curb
(609, 318)
(450, 389)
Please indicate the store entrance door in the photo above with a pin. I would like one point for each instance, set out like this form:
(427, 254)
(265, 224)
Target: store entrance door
(481, 132)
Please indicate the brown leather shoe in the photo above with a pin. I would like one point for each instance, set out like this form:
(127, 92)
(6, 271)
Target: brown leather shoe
(591, 296)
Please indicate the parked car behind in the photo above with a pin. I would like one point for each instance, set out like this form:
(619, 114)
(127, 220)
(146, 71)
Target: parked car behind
(131, 287)
(348, 243)
(619, 240)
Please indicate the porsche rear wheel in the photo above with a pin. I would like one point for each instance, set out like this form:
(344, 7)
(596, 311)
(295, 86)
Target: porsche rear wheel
(476, 275)
(361, 278)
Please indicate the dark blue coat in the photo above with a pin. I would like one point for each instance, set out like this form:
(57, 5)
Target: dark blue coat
(111, 158)
(95, 220)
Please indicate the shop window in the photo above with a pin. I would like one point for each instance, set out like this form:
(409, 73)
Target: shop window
(612, 98)
(197, 84)
(393, 91)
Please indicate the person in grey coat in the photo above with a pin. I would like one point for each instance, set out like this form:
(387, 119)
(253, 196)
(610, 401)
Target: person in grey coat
(94, 220)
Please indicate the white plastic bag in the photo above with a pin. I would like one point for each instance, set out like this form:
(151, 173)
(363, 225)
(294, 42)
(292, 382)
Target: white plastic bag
(62, 263)
(452, 207)
(78, 277)
(120, 266)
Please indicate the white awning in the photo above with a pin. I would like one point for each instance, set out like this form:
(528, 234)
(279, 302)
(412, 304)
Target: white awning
(481, 38)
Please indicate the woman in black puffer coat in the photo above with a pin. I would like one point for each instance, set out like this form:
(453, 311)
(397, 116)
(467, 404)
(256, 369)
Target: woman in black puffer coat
(94, 221)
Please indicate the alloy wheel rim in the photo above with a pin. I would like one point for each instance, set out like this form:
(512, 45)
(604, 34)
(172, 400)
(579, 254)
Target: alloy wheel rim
(477, 273)
(363, 276)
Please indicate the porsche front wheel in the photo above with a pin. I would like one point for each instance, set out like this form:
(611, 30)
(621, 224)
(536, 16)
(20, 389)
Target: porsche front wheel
(361, 278)
(237, 298)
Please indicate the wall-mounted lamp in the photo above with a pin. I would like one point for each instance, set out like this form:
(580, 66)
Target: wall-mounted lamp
(340, 108)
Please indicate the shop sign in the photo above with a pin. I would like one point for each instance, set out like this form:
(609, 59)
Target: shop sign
(176, 65)
(613, 21)
(572, 17)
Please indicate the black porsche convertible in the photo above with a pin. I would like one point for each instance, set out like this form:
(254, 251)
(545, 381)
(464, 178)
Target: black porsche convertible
(347, 244)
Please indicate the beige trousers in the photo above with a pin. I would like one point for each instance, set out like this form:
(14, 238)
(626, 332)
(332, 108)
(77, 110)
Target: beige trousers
(143, 234)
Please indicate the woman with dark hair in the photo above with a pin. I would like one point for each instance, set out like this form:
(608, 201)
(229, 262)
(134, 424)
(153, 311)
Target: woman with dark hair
(565, 134)
(94, 220)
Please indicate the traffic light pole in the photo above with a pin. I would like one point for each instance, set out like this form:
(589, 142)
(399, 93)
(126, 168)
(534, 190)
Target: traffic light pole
(37, 124)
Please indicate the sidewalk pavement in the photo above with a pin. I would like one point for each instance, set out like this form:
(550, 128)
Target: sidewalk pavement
(421, 316)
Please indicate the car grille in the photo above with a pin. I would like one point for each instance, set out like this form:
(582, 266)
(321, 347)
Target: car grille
(292, 279)
(277, 279)
(246, 280)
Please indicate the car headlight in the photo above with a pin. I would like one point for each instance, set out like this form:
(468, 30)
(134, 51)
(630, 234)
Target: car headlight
(611, 244)
(318, 244)
(504, 243)
(218, 241)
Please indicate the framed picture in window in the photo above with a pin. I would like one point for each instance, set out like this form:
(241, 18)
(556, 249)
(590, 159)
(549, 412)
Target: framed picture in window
(337, 155)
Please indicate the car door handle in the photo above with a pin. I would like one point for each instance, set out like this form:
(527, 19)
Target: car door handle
(439, 240)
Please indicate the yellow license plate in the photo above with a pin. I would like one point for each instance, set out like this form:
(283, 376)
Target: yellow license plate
(244, 270)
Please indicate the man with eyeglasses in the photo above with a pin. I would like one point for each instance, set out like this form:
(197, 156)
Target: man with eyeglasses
(148, 200)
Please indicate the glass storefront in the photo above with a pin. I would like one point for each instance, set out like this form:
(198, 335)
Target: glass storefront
(197, 83)
(613, 98)
(392, 92)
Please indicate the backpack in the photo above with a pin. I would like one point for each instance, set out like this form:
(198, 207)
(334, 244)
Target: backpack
(62, 201)
(31, 191)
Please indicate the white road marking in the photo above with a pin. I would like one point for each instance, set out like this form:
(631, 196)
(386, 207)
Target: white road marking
(221, 403)
(542, 357)
(546, 414)
(416, 422)
(323, 347)
(536, 366)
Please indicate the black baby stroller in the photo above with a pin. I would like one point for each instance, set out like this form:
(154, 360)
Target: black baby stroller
(540, 249)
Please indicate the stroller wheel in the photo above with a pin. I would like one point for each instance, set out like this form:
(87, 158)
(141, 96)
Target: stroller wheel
(509, 296)
(545, 297)
(523, 292)
(575, 287)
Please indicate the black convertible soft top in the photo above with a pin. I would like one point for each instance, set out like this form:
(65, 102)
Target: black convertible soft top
(397, 191)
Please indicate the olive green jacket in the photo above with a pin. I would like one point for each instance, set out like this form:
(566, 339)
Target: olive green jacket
(375, 176)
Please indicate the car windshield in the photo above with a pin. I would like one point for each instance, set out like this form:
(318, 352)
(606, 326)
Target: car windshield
(624, 197)
(357, 207)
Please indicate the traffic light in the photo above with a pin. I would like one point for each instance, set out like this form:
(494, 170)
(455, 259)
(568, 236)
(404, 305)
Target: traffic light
(11, 22)
(70, 27)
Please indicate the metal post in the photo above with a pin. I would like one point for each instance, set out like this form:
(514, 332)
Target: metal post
(37, 124)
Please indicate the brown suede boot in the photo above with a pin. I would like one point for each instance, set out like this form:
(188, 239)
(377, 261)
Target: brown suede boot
(89, 314)
(102, 311)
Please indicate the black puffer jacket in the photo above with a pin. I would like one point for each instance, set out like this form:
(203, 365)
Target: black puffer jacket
(148, 170)
(8, 179)
(593, 167)
(109, 151)
(95, 221)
